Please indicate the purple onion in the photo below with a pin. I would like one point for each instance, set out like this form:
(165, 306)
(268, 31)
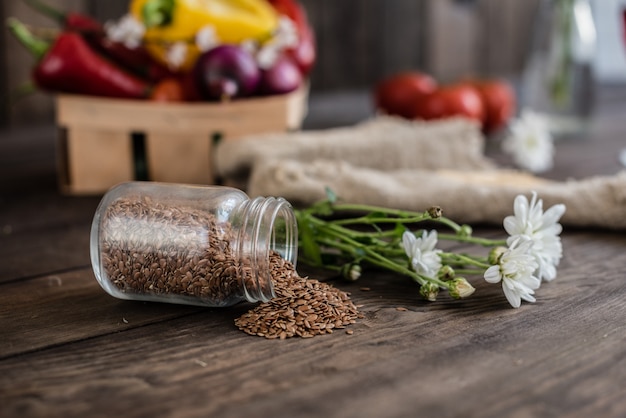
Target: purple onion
(223, 66)
(284, 76)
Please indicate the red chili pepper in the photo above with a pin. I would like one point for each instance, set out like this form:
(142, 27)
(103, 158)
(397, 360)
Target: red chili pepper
(137, 60)
(69, 65)
(304, 53)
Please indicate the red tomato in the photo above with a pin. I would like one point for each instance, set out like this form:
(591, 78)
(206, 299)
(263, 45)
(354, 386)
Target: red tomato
(499, 102)
(453, 100)
(398, 94)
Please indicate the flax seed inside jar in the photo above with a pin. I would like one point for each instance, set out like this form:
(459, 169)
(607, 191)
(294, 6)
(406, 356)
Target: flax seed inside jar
(212, 246)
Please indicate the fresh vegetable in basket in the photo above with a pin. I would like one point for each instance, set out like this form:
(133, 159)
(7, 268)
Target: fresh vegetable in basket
(136, 60)
(169, 22)
(68, 64)
(173, 50)
(225, 72)
(303, 52)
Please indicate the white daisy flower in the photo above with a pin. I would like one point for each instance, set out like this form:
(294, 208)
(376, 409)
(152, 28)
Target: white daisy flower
(530, 143)
(206, 38)
(515, 269)
(176, 54)
(542, 228)
(128, 30)
(425, 259)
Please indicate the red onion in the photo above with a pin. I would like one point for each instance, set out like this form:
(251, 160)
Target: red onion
(284, 76)
(227, 71)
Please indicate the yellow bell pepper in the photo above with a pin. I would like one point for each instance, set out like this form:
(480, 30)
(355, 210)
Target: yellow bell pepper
(171, 21)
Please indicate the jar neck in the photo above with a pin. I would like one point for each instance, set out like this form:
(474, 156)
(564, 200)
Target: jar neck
(267, 224)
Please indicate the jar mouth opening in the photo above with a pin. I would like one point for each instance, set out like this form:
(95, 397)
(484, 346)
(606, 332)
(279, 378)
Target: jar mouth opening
(270, 226)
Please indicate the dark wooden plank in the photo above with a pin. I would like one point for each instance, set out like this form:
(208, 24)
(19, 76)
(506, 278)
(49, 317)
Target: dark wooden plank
(35, 219)
(51, 249)
(60, 308)
(561, 356)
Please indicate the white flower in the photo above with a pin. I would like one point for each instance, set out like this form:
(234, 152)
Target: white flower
(249, 45)
(286, 36)
(530, 143)
(267, 56)
(206, 38)
(424, 257)
(542, 228)
(622, 157)
(127, 30)
(515, 268)
(176, 54)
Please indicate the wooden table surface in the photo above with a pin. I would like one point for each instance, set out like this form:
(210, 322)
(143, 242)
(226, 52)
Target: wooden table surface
(69, 349)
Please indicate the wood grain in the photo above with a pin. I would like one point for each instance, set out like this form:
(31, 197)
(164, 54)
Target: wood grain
(67, 349)
(537, 360)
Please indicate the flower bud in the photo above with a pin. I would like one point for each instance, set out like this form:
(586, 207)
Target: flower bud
(435, 212)
(351, 272)
(429, 291)
(495, 254)
(446, 273)
(460, 288)
(465, 231)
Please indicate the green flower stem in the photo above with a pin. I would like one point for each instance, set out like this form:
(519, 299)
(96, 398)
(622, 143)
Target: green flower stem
(469, 272)
(486, 242)
(463, 259)
(365, 220)
(345, 243)
(402, 216)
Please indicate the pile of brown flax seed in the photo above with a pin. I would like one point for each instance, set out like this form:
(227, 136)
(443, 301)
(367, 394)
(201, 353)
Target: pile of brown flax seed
(302, 307)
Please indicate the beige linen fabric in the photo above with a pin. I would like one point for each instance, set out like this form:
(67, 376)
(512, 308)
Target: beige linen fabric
(413, 166)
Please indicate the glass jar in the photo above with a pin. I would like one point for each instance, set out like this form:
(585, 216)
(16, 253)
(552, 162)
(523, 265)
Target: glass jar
(558, 79)
(196, 245)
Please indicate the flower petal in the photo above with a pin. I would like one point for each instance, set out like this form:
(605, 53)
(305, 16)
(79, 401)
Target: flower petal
(492, 274)
(511, 295)
(553, 214)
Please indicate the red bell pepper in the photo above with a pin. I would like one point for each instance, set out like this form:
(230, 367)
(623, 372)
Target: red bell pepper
(69, 65)
(137, 60)
(304, 53)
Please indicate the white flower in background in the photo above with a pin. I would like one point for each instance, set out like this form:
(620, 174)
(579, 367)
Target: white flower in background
(622, 157)
(267, 56)
(249, 45)
(425, 259)
(530, 142)
(176, 54)
(127, 30)
(542, 228)
(286, 36)
(206, 38)
(515, 268)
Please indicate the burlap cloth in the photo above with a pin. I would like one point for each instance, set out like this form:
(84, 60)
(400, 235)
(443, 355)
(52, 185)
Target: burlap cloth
(410, 165)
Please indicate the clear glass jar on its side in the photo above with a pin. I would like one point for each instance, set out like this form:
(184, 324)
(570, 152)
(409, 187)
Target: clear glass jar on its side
(196, 245)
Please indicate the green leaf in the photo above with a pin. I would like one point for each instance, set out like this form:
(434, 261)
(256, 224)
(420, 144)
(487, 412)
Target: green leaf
(331, 196)
(310, 249)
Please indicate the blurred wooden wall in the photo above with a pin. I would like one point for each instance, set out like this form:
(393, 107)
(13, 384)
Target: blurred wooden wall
(359, 42)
